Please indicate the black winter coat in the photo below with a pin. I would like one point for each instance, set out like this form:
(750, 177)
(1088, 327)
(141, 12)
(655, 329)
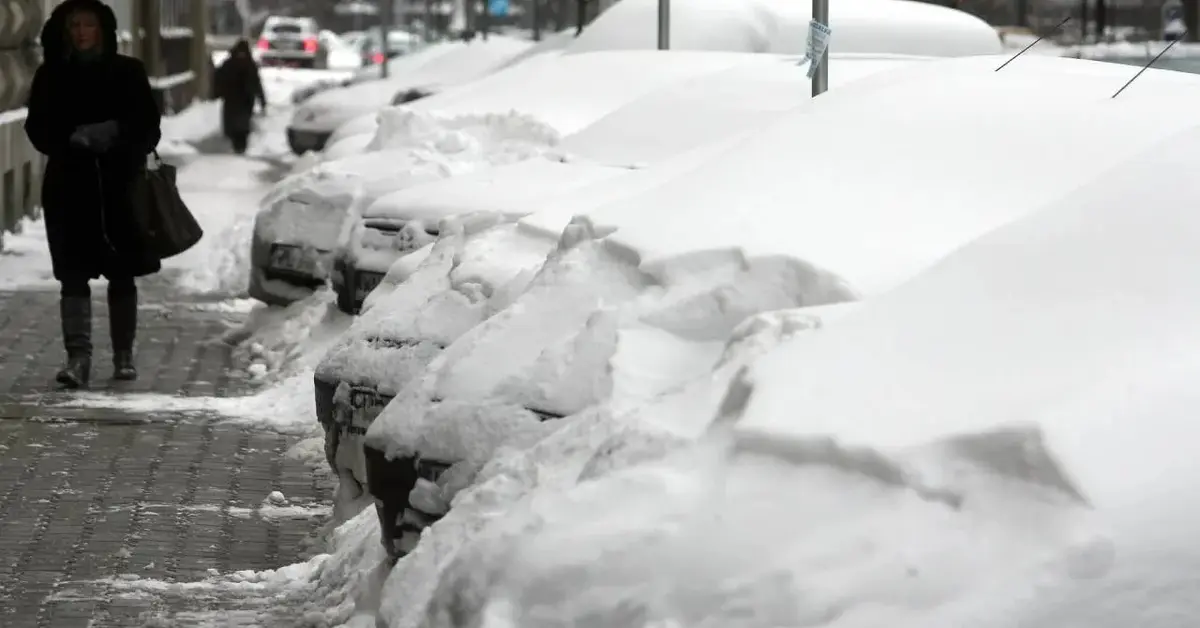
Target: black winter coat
(238, 85)
(86, 197)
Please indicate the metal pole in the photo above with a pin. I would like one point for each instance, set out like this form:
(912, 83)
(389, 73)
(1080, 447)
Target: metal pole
(385, 25)
(536, 7)
(137, 18)
(664, 24)
(428, 20)
(820, 82)
(200, 55)
(152, 23)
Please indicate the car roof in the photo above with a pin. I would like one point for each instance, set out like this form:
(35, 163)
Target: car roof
(289, 19)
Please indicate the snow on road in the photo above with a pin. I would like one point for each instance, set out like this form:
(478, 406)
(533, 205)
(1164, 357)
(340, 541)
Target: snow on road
(24, 258)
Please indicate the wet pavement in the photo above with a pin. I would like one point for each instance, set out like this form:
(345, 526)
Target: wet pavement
(101, 509)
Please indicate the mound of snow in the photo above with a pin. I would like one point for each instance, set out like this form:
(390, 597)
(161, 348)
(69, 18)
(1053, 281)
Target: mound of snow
(518, 491)
(781, 26)
(223, 192)
(952, 443)
(938, 177)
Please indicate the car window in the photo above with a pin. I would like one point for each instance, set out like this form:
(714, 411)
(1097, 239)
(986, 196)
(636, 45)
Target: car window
(291, 29)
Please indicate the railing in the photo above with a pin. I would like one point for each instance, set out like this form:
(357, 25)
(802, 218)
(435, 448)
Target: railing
(20, 172)
(20, 164)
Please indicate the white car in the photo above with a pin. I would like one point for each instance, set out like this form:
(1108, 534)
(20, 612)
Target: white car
(292, 41)
(1005, 440)
(641, 294)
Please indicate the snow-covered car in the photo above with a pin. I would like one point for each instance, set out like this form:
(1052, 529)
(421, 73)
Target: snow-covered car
(639, 116)
(770, 26)
(665, 132)
(380, 235)
(424, 72)
(675, 268)
(1005, 440)
(292, 41)
(352, 135)
(399, 43)
(493, 121)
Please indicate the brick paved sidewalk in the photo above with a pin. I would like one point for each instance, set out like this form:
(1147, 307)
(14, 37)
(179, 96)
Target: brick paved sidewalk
(91, 495)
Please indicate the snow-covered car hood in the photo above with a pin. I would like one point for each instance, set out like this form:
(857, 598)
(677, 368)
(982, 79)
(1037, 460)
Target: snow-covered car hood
(428, 300)
(409, 148)
(510, 189)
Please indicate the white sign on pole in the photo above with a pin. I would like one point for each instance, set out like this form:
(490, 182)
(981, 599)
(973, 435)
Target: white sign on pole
(818, 43)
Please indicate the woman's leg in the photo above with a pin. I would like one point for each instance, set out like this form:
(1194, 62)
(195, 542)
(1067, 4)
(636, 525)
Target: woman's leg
(122, 325)
(75, 309)
(240, 141)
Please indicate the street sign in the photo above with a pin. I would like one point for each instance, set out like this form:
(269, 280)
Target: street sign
(818, 42)
(498, 8)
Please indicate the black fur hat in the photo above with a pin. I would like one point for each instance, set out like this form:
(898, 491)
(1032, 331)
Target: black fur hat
(55, 46)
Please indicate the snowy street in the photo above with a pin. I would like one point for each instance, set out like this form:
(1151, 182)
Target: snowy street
(576, 331)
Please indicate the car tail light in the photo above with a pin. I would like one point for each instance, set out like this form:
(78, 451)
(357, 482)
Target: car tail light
(377, 57)
(310, 45)
(263, 44)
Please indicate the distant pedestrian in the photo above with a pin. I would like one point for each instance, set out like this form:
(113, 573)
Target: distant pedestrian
(93, 114)
(238, 86)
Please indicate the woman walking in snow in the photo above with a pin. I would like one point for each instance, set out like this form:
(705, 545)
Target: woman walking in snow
(238, 85)
(93, 114)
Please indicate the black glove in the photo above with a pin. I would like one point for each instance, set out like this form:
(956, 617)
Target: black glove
(97, 137)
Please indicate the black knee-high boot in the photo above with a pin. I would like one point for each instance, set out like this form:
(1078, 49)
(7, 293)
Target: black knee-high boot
(122, 327)
(76, 313)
